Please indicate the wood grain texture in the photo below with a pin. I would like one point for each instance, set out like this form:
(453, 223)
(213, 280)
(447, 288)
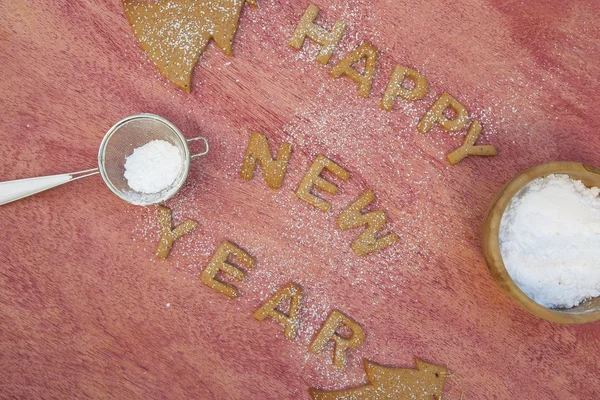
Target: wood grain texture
(83, 302)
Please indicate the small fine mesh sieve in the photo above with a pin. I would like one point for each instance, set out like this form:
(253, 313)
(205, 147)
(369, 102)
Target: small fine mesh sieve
(129, 134)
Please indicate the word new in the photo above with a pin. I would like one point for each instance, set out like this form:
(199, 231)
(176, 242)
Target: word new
(274, 171)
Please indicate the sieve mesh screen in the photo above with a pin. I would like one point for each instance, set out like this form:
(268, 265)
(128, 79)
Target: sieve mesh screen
(120, 142)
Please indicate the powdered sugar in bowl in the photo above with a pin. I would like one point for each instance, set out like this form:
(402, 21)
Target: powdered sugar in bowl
(545, 263)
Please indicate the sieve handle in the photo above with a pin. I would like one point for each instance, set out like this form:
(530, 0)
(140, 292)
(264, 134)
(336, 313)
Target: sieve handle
(20, 188)
(206, 148)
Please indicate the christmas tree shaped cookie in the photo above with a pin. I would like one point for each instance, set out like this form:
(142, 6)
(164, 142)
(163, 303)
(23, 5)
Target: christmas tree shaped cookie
(174, 33)
(426, 382)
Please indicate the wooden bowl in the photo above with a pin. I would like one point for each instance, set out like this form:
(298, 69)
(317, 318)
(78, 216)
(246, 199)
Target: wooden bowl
(589, 310)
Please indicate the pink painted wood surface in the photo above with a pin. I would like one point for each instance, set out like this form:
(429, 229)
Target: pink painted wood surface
(83, 303)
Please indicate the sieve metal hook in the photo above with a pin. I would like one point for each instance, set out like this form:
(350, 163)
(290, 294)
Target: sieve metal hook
(206, 147)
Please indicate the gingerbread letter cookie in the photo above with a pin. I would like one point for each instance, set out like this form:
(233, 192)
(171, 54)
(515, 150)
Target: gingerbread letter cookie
(289, 320)
(469, 148)
(313, 178)
(219, 263)
(396, 88)
(346, 67)
(273, 170)
(335, 320)
(308, 29)
(168, 235)
(352, 217)
(435, 115)
(173, 33)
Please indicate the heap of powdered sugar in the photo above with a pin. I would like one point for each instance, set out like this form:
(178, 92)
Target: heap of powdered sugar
(153, 167)
(550, 241)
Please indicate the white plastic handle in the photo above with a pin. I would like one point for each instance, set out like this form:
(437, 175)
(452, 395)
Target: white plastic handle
(15, 190)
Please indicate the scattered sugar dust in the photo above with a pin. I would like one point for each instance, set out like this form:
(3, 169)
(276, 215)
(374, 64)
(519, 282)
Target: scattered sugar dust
(382, 151)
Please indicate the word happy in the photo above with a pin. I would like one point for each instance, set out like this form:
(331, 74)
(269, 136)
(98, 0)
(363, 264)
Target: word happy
(398, 85)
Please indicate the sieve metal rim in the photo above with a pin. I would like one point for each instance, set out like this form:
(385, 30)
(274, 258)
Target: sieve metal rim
(102, 157)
